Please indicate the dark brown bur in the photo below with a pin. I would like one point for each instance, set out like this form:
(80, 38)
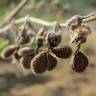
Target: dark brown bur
(52, 62)
(64, 52)
(39, 63)
(79, 62)
(53, 39)
(26, 51)
(7, 52)
(26, 61)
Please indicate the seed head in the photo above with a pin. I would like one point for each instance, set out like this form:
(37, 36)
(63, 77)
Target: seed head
(7, 52)
(26, 50)
(52, 61)
(39, 63)
(40, 37)
(79, 62)
(64, 52)
(26, 61)
(53, 39)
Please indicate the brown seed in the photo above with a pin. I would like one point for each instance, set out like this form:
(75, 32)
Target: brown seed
(7, 52)
(26, 61)
(64, 52)
(79, 62)
(53, 39)
(26, 50)
(52, 62)
(39, 63)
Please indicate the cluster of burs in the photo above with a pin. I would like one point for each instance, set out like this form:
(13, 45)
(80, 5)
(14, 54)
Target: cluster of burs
(43, 53)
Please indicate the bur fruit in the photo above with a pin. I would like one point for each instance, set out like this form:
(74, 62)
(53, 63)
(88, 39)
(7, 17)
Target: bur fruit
(39, 63)
(63, 52)
(79, 62)
(8, 51)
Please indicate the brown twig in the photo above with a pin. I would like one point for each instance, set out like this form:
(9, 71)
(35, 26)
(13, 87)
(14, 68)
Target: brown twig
(43, 23)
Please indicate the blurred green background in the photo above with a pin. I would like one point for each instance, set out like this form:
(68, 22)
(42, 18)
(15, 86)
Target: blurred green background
(62, 81)
(72, 6)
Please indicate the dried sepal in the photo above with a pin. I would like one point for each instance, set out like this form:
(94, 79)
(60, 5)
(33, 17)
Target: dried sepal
(40, 37)
(24, 36)
(74, 22)
(24, 40)
(39, 63)
(79, 62)
(63, 52)
(8, 51)
(40, 41)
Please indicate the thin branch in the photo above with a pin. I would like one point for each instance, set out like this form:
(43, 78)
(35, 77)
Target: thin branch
(91, 19)
(36, 21)
(42, 22)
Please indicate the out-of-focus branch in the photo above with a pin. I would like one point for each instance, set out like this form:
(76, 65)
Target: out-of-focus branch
(91, 19)
(14, 12)
(42, 22)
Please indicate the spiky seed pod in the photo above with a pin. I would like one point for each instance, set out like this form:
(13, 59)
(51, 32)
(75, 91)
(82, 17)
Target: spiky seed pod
(26, 50)
(39, 63)
(53, 39)
(64, 52)
(79, 62)
(26, 61)
(52, 62)
(7, 52)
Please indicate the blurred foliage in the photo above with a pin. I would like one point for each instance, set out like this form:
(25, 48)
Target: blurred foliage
(90, 2)
(8, 2)
(76, 6)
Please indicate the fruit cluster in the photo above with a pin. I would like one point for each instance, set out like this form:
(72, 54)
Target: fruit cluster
(43, 53)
